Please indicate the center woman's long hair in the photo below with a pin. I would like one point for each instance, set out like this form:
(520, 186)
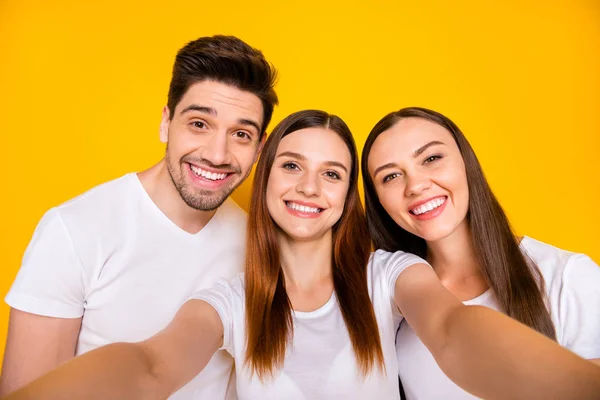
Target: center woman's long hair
(268, 308)
(515, 279)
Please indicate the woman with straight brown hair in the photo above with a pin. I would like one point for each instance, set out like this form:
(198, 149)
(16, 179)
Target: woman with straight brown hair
(315, 315)
(426, 193)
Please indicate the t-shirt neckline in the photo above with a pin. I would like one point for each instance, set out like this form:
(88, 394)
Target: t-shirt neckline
(324, 309)
(488, 293)
(205, 231)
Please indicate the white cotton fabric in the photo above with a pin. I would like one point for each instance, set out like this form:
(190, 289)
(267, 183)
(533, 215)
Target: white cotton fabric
(573, 288)
(112, 257)
(319, 362)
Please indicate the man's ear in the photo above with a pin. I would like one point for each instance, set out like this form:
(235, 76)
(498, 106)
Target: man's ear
(261, 145)
(164, 125)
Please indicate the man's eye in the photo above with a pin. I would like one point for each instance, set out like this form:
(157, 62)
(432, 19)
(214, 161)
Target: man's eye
(242, 135)
(198, 124)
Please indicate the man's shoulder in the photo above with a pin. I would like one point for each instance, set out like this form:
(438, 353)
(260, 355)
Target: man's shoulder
(102, 196)
(232, 214)
(99, 205)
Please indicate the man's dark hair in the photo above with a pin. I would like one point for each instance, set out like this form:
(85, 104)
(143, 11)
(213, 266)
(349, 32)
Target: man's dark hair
(228, 60)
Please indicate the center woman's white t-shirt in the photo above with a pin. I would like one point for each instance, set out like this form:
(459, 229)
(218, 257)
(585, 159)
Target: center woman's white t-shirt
(320, 361)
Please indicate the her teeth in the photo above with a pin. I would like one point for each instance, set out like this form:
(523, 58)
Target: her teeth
(301, 208)
(430, 205)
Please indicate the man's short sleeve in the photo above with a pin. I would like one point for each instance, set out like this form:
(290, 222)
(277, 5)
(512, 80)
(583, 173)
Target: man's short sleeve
(51, 281)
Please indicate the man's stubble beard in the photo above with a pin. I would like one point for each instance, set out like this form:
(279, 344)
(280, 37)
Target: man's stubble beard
(202, 200)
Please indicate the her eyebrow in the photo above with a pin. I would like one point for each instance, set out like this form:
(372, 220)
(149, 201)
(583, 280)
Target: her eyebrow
(421, 149)
(416, 153)
(299, 156)
(384, 166)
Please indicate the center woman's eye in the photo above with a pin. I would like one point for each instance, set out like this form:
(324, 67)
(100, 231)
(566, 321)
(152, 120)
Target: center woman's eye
(389, 177)
(333, 175)
(290, 166)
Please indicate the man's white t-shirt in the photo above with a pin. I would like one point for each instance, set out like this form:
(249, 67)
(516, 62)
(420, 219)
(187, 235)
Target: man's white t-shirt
(319, 361)
(572, 283)
(111, 256)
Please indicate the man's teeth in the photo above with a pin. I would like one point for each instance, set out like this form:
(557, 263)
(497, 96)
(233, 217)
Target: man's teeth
(304, 209)
(213, 176)
(430, 205)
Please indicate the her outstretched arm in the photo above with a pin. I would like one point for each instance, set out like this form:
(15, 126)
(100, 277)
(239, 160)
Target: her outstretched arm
(152, 369)
(486, 352)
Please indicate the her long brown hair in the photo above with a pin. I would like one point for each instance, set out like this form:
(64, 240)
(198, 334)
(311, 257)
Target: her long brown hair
(514, 277)
(268, 308)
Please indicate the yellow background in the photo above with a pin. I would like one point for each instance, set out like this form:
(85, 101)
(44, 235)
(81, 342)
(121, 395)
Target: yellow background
(82, 84)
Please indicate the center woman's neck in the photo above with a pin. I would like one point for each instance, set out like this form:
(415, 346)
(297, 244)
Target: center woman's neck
(306, 264)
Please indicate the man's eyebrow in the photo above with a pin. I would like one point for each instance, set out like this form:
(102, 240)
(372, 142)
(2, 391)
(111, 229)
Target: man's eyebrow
(212, 111)
(249, 122)
(300, 157)
(202, 109)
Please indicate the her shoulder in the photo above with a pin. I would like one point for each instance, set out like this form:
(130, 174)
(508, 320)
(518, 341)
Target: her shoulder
(558, 264)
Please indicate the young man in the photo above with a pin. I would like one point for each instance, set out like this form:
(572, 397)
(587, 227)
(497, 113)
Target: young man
(115, 263)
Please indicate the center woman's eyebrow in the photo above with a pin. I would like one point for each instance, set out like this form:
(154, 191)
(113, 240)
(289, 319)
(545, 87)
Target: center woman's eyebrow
(212, 111)
(300, 157)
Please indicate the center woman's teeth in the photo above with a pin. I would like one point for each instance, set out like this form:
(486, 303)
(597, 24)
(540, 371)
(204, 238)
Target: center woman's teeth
(303, 209)
(213, 176)
(430, 205)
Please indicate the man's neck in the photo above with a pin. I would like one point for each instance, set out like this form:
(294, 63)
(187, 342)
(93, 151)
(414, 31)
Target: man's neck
(159, 186)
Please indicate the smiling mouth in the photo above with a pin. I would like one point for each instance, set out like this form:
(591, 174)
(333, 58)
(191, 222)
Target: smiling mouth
(303, 209)
(429, 206)
(211, 176)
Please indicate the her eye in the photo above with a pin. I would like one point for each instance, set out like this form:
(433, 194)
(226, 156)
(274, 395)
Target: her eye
(290, 166)
(333, 175)
(389, 177)
(432, 158)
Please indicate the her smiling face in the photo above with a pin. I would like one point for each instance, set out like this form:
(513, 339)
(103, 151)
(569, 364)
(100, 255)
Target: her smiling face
(419, 176)
(308, 183)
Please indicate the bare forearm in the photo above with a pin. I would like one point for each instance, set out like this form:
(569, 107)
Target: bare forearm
(36, 345)
(493, 356)
(116, 371)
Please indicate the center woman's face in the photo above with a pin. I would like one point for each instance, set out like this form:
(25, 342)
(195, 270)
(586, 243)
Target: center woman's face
(308, 184)
(420, 178)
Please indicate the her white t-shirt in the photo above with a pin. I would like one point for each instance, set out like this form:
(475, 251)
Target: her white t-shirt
(572, 283)
(319, 361)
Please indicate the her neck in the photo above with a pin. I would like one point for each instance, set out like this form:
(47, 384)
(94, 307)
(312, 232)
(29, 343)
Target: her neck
(305, 264)
(455, 262)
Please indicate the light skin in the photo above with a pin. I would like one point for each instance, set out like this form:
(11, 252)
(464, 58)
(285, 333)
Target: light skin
(215, 127)
(416, 161)
(158, 366)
